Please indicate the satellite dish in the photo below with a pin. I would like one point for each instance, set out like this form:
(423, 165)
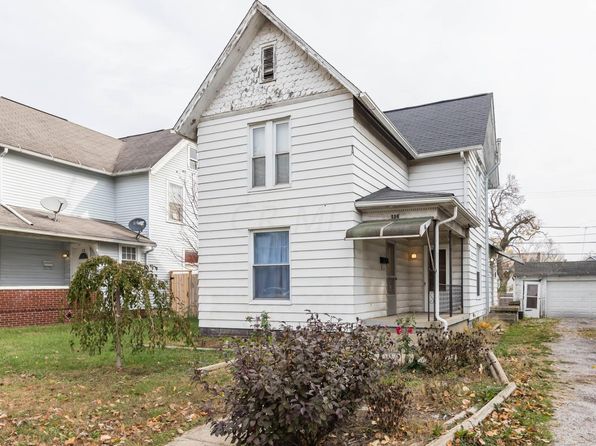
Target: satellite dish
(54, 204)
(137, 225)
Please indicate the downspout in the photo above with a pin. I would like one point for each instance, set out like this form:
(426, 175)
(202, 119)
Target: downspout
(487, 247)
(462, 155)
(437, 269)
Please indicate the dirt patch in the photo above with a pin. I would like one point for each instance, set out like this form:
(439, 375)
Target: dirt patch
(575, 402)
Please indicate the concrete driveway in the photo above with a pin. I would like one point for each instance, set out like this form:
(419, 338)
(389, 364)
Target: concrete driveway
(575, 402)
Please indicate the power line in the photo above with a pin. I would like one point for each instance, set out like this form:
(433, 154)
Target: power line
(568, 227)
(555, 243)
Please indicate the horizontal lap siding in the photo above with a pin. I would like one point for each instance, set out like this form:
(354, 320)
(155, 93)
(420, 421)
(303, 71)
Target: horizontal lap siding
(318, 208)
(132, 198)
(375, 166)
(26, 180)
(441, 174)
(475, 305)
(170, 237)
(22, 262)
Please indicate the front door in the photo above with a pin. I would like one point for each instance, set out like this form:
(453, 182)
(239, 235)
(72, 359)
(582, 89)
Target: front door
(391, 296)
(532, 299)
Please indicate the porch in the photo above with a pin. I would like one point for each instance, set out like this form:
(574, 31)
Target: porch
(420, 241)
(422, 320)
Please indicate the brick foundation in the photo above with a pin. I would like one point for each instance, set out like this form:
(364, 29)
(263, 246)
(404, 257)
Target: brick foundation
(32, 307)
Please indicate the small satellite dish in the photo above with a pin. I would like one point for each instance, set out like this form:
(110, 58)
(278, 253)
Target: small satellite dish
(137, 225)
(54, 204)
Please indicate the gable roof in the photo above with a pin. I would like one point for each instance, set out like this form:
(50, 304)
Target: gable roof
(35, 132)
(445, 125)
(50, 136)
(145, 150)
(388, 194)
(252, 22)
(542, 269)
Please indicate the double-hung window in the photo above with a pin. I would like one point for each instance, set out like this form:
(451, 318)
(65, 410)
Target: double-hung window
(193, 158)
(271, 265)
(270, 154)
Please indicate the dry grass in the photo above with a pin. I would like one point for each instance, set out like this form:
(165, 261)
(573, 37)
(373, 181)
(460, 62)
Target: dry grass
(52, 395)
(589, 333)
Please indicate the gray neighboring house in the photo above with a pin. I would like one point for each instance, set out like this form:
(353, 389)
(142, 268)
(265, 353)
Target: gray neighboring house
(556, 289)
(106, 182)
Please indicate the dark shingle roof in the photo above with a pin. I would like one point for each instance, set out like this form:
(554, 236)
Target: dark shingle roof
(541, 269)
(445, 125)
(388, 194)
(143, 151)
(37, 131)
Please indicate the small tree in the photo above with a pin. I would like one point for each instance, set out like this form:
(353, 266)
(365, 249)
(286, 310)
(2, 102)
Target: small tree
(114, 301)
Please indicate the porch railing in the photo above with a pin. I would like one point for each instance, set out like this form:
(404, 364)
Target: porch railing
(451, 300)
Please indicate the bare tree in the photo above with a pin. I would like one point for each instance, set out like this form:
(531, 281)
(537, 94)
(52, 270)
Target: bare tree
(511, 225)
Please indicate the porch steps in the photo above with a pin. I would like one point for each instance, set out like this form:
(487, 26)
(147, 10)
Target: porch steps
(508, 313)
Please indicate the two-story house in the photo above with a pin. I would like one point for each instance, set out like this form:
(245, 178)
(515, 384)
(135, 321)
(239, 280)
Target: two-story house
(104, 182)
(312, 198)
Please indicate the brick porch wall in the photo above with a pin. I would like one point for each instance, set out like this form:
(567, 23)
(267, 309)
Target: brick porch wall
(20, 307)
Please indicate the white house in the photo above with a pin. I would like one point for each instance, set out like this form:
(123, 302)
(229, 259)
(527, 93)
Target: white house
(312, 198)
(106, 182)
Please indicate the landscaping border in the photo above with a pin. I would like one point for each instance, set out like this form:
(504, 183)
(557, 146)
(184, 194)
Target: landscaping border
(479, 416)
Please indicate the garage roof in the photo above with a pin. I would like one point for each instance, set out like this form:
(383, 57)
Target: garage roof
(543, 269)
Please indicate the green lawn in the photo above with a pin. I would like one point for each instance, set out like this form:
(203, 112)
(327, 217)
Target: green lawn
(523, 418)
(52, 394)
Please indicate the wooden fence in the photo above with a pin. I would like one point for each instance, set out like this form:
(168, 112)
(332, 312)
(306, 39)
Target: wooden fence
(184, 286)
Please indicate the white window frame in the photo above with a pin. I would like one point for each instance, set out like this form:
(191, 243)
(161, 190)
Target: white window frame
(479, 274)
(136, 251)
(270, 154)
(192, 160)
(168, 219)
(262, 68)
(251, 262)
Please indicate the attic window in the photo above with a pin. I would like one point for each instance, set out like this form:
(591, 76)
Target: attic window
(268, 63)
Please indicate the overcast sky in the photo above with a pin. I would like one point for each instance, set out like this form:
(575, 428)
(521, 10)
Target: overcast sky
(126, 67)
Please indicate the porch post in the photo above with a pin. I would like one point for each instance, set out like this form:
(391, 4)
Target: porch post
(450, 279)
(461, 295)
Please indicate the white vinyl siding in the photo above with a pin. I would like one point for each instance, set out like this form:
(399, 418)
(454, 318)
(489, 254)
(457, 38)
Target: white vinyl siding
(26, 180)
(167, 255)
(28, 261)
(318, 209)
(441, 174)
(132, 199)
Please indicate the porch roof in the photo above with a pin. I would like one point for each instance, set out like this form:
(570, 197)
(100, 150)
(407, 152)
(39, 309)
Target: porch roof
(33, 222)
(381, 229)
(388, 198)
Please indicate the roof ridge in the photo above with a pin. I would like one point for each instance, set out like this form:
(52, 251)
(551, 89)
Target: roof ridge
(143, 133)
(439, 102)
(36, 109)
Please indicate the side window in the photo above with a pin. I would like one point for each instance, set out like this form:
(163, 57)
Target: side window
(282, 152)
(128, 254)
(175, 206)
(193, 158)
(271, 265)
(259, 155)
(191, 258)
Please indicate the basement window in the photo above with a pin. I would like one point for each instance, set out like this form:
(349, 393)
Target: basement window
(268, 63)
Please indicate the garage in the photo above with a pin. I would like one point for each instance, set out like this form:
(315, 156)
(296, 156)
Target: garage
(571, 298)
(556, 289)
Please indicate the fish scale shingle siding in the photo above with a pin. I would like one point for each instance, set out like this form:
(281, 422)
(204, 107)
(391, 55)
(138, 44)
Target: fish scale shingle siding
(296, 75)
